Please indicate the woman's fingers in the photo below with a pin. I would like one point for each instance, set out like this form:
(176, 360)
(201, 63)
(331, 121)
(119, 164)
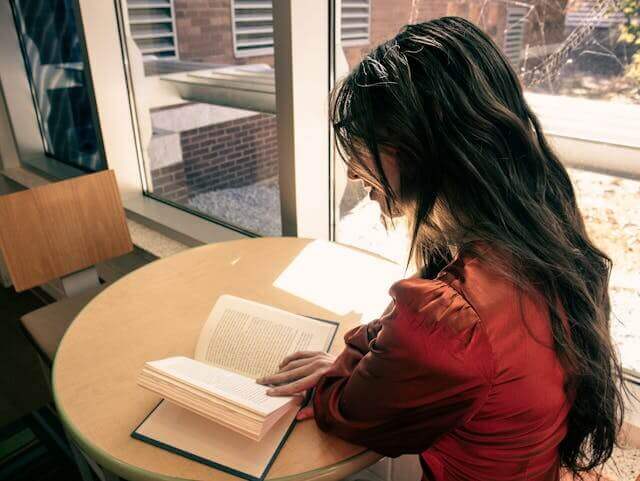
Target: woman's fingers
(298, 372)
(288, 376)
(295, 387)
(297, 355)
(298, 363)
(285, 365)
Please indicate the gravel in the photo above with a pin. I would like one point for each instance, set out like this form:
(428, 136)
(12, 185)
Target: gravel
(255, 207)
(611, 208)
(624, 465)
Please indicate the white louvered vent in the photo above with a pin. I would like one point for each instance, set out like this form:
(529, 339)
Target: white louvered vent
(252, 27)
(252, 23)
(355, 22)
(514, 34)
(153, 27)
(586, 12)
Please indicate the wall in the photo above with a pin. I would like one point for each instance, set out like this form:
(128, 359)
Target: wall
(224, 155)
(205, 35)
(388, 17)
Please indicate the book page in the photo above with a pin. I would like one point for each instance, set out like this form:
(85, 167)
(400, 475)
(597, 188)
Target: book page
(251, 338)
(238, 389)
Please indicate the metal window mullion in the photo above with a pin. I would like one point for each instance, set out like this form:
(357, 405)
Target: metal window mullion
(105, 58)
(302, 94)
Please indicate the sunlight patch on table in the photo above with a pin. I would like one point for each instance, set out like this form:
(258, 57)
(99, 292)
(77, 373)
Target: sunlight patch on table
(311, 277)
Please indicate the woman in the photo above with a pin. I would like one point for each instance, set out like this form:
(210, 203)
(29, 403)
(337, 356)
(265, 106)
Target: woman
(496, 363)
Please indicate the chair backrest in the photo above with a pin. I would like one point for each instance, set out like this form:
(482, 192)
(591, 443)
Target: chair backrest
(61, 228)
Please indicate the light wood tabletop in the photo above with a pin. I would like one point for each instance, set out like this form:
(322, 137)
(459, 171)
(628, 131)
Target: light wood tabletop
(157, 311)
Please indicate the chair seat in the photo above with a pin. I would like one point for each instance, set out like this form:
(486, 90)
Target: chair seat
(47, 325)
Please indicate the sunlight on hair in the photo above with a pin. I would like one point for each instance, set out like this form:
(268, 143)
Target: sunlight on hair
(360, 286)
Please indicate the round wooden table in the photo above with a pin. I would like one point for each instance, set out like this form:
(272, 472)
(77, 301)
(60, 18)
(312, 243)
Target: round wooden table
(157, 311)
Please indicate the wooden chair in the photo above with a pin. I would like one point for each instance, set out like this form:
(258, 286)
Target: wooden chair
(61, 230)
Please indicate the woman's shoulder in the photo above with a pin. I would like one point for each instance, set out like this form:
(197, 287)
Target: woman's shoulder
(434, 326)
(434, 301)
(474, 287)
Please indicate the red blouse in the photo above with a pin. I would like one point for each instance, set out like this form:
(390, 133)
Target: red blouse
(462, 372)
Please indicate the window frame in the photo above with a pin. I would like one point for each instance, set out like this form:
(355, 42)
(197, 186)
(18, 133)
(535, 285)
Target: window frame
(303, 185)
(299, 183)
(28, 147)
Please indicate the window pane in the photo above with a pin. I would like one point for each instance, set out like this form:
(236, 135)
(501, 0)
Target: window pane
(52, 52)
(203, 84)
(564, 53)
(611, 208)
(586, 49)
(582, 48)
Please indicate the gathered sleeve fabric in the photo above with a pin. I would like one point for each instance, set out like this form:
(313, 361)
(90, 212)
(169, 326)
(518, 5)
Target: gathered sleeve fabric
(407, 378)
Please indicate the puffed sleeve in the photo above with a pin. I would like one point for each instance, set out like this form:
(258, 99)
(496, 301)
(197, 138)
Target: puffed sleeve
(406, 379)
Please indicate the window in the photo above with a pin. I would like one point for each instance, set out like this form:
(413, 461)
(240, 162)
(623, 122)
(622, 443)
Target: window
(580, 64)
(206, 118)
(54, 62)
(610, 206)
(586, 50)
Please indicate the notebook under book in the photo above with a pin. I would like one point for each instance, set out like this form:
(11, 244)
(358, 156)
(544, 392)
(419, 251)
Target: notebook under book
(213, 411)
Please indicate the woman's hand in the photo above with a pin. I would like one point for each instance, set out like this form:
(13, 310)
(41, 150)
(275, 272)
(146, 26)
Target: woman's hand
(297, 373)
(305, 413)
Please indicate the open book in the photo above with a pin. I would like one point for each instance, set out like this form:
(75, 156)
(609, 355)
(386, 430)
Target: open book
(216, 413)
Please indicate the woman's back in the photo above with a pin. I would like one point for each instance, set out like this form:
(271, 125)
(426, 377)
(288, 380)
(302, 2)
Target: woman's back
(462, 372)
(516, 432)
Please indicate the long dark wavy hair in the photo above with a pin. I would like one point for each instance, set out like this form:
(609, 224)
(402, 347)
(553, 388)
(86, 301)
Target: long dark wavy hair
(475, 166)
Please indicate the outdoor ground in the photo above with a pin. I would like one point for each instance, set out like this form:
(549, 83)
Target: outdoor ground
(593, 86)
(611, 208)
(255, 207)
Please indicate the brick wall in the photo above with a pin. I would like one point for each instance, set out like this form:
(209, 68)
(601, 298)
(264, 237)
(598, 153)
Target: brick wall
(170, 183)
(204, 33)
(388, 17)
(230, 154)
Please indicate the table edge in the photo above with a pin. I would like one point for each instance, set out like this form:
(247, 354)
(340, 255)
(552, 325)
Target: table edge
(134, 473)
